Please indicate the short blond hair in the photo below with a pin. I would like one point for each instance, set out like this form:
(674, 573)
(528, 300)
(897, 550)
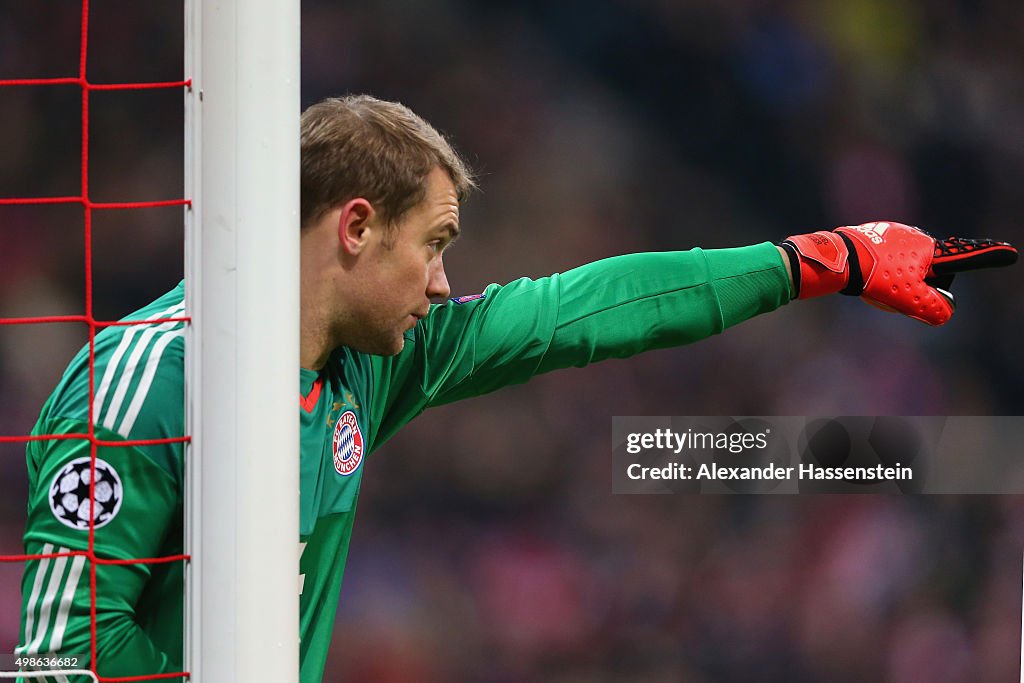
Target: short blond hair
(360, 146)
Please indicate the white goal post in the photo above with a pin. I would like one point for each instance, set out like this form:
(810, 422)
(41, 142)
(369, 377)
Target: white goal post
(242, 351)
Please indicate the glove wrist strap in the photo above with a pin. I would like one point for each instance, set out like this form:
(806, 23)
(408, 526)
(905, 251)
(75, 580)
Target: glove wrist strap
(822, 263)
(855, 286)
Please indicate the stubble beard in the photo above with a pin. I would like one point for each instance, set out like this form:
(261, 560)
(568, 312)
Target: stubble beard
(372, 337)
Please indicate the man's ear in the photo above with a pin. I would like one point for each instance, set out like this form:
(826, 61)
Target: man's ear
(355, 224)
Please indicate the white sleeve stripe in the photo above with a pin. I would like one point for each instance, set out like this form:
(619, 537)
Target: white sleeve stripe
(147, 380)
(30, 608)
(67, 597)
(115, 359)
(129, 371)
(56, 578)
(108, 374)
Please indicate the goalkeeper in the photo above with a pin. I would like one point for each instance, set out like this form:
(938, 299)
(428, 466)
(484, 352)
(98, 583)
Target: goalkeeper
(381, 191)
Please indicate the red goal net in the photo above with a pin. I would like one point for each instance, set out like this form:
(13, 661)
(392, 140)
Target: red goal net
(58, 20)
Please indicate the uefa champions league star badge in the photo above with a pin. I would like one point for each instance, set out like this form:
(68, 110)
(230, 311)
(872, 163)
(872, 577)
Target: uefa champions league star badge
(69, 494)
(348, 444)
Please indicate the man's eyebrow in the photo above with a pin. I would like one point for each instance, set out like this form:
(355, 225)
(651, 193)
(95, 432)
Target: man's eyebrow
(452, 229)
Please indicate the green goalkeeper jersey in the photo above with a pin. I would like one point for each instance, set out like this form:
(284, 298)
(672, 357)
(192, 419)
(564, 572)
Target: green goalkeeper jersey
(465, 347)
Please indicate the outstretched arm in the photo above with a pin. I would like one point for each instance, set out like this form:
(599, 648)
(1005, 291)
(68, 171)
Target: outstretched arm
(624, 305)
(612, 308)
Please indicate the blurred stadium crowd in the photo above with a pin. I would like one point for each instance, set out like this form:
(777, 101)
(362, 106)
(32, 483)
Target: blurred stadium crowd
(489, 548)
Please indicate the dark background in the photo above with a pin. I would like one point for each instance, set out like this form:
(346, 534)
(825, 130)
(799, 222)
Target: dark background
(488, 546)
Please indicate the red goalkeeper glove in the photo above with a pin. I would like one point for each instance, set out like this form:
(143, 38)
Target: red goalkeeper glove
(890, 265)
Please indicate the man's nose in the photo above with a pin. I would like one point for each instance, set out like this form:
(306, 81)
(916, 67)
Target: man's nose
(437, 283)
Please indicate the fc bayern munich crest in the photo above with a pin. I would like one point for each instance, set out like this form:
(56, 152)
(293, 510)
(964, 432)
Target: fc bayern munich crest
(348, 444)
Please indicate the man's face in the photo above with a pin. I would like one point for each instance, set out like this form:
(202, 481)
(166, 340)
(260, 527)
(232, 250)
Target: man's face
(402, 272)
